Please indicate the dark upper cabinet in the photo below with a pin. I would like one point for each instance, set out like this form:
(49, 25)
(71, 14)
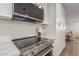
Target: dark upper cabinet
(18, 8)
(29, 9)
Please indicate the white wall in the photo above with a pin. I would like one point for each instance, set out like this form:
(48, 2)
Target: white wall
(72, 16)
(73, 23)
(59, 43)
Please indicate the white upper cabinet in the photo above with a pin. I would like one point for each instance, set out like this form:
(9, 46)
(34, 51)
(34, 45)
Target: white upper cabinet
(5, 11)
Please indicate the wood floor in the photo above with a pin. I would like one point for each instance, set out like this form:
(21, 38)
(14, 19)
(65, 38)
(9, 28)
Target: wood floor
(71, 49)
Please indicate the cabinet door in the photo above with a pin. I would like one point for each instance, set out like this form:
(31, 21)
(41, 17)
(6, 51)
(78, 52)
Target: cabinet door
(18, 8)
(34, 11)
(28, 9)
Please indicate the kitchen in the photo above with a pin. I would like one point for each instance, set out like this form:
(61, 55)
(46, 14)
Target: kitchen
(44, 30)
(13, 29)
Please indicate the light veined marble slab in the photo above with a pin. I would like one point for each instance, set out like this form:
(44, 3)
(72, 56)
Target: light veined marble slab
(7, 48)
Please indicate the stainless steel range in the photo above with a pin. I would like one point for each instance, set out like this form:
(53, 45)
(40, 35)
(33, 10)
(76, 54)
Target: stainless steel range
(32, 47)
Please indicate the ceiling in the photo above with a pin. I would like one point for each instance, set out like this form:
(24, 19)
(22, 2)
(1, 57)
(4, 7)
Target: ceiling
(71, 9)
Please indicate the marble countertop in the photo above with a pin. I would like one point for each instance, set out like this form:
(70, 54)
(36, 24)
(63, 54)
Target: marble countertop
(7, 48)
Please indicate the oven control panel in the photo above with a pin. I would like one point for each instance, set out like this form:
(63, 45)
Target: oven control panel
(37, 48)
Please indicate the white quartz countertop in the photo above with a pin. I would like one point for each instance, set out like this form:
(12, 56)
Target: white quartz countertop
(7, 48)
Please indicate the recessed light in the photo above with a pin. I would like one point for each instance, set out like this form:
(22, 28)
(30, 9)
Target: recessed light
(39, 6)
